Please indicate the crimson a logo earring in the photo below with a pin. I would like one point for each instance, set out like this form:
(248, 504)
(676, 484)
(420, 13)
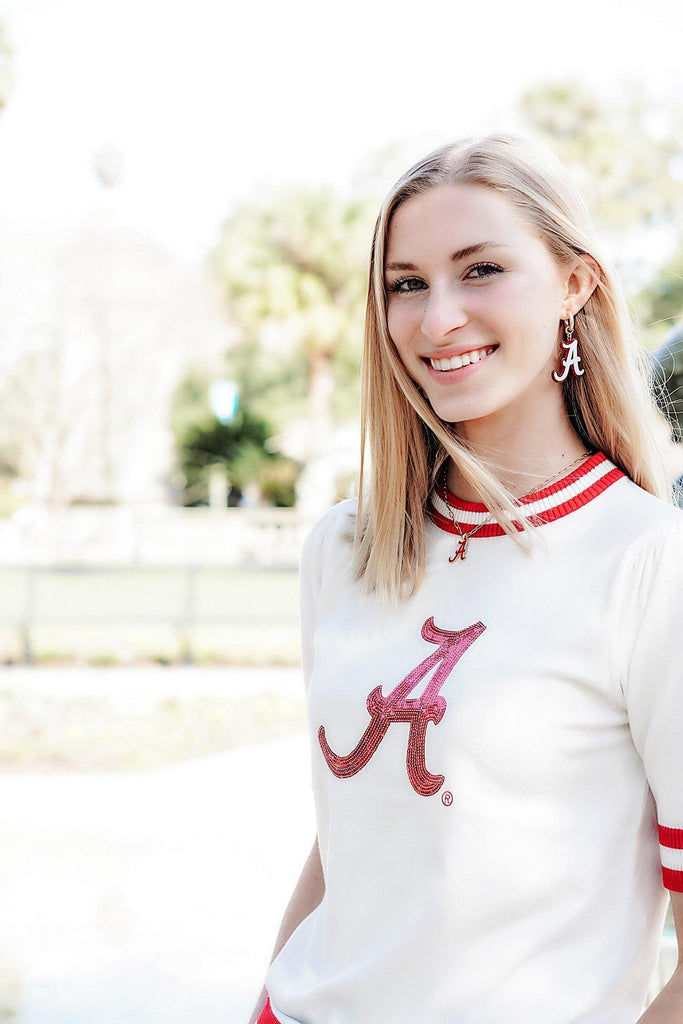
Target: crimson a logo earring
(572, 360)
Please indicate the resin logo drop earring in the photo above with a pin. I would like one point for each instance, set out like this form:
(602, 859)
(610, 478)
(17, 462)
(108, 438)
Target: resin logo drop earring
(572, 360)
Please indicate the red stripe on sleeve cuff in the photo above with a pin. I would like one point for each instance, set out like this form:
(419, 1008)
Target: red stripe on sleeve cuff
(673, 880)
(671, 837)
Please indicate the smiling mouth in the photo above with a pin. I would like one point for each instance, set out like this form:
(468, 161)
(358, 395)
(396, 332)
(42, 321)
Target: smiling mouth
(457, 362)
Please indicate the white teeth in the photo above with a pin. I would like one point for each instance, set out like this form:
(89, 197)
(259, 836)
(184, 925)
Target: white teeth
(464, 360)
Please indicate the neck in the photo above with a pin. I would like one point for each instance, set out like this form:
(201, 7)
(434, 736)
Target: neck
(522, 456)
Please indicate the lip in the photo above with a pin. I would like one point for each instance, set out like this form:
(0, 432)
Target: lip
(459, 350)
(452, 376)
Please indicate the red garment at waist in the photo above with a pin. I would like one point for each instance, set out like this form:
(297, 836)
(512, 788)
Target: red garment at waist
(267, 1016)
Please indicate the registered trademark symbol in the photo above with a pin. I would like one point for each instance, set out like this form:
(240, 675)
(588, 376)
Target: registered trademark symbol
(447, 798)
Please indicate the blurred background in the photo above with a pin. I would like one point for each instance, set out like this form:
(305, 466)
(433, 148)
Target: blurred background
(187, 197)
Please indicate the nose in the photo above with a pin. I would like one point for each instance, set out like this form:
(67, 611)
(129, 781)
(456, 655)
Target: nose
(443, 313)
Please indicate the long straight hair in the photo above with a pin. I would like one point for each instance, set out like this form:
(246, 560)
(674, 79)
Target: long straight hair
(610, 406)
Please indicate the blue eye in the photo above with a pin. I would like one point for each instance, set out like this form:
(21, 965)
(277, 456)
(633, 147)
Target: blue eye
(397, 286)
(478, 272)
(482, 270)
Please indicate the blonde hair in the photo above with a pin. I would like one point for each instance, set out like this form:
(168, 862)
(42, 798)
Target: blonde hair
(610, 406)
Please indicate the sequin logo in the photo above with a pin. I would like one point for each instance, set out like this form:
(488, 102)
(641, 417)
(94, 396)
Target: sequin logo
(397, 706)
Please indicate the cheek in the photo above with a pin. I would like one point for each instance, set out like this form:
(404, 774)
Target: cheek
(534, 298)
(400, 324)
(528, 312)
(392, 324)
(516, 297)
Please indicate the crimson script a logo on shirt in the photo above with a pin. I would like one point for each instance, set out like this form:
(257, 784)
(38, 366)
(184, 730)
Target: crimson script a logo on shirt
(430, 706)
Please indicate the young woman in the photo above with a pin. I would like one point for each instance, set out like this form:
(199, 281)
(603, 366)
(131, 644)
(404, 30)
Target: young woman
(491, 634)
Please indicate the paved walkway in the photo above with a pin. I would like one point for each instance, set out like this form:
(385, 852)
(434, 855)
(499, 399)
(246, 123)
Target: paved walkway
(149, 898)
(148, 681)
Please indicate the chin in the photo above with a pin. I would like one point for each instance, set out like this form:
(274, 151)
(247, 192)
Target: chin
(456, 412)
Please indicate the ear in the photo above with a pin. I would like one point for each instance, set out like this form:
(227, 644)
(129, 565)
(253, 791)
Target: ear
(582, 278)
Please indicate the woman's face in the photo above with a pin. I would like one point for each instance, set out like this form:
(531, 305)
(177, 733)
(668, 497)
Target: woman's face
(474, 303)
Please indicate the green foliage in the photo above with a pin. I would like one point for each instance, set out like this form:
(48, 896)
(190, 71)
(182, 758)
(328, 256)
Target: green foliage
(294, 272)
(7, 74)
(190, 405)
(622, 150)
(227, 442)
(660, 304)
(626, 155)
(278, 482)
(241, 446)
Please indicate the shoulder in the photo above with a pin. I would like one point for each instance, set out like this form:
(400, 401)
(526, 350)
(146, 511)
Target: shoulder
(337, 520)
(652, 550)
(636, 520)
(658, 553)
(640, 537)
(333, 530)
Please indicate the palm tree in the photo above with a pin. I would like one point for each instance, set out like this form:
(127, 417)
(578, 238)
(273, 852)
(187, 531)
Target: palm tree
(294, 272)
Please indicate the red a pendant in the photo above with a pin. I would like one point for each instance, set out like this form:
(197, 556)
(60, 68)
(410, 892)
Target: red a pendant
(461, 552)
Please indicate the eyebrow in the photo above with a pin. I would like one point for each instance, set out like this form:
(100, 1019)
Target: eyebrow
(459, 254)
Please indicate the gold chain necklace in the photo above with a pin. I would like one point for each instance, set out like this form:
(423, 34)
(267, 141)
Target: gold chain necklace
(461, 550)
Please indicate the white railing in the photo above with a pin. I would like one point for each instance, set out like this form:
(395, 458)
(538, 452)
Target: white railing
(152, 535)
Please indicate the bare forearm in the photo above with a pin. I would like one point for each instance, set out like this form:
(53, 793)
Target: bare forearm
(667, 1008)
(308, 893)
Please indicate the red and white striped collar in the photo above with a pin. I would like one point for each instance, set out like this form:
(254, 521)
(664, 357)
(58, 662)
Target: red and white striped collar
(593, 476)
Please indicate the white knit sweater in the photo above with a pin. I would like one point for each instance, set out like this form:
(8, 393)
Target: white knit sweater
(490, 764)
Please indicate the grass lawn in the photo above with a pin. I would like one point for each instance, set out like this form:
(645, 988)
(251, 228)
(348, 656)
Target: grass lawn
(67, 732)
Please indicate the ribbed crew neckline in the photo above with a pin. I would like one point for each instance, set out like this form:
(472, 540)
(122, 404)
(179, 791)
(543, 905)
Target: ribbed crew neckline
(589, 479)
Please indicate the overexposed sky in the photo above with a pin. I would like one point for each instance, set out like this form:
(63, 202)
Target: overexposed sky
(210, 101)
